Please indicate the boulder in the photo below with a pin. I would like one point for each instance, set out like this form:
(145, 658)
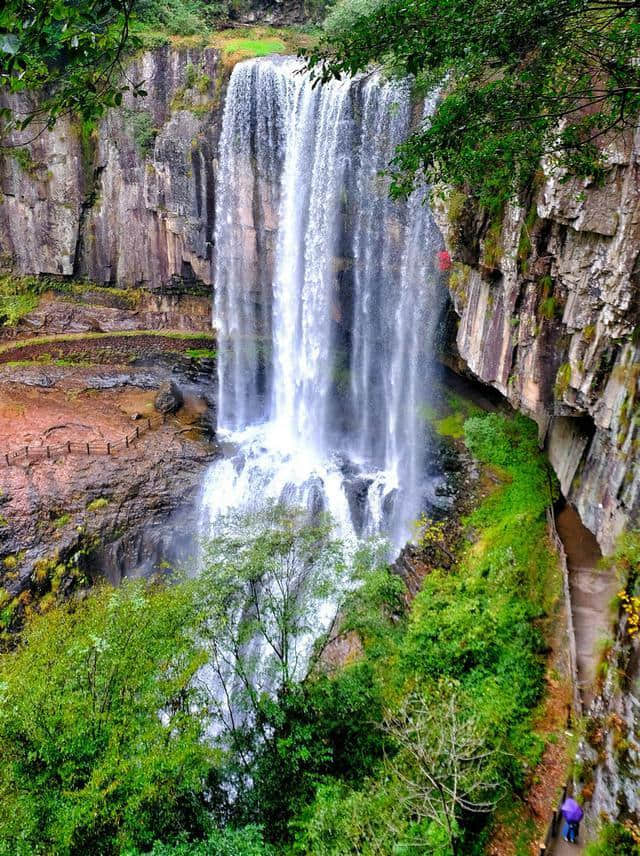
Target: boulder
(169, 398)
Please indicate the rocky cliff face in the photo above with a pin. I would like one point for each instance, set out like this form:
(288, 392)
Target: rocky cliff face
(279, 13)
(549, 313)
(609, 758)
(130, 201)
(548, 302)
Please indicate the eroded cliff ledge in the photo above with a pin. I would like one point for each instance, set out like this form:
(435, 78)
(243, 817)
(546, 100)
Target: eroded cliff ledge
(548, 301)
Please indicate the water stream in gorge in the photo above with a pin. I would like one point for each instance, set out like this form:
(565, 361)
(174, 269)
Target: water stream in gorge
(326, 303)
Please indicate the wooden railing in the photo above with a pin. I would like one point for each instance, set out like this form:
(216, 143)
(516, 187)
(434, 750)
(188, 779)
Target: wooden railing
(74, 447)
(573, 654)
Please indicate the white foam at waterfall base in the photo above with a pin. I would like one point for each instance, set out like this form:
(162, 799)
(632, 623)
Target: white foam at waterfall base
(326, 301)
(262, 466)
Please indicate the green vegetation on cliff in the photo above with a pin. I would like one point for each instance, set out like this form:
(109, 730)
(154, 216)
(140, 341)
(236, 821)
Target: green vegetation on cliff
(105, 710)
(70, 52)
(616, 839)
(518, 80)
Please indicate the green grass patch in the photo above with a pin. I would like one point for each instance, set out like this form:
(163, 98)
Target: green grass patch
(14, 307)
(98, 504)
(21, 295)
(176, 335)
(18, 297)
(450, 413)
(248, 48)
(201, 353)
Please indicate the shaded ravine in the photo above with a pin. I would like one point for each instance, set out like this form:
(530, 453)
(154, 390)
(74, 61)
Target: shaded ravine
(591, 587)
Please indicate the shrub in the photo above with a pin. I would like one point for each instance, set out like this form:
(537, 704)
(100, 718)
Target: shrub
(98, 504)
(247, 841)
(181, 17)
(142, 130)
(615, 839)
(476, 625)
(563, 379)
(89, 764)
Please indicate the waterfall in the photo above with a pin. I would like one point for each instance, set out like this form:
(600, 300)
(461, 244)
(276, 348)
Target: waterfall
(326, 301)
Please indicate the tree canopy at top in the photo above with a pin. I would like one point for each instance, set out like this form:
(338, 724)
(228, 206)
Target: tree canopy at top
(521, 80)
(67, 51)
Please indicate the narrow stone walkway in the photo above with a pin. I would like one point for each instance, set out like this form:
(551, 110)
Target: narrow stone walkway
(592, 589)
(563, 848)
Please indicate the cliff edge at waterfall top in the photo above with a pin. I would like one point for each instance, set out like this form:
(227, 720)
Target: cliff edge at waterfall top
(319, 427)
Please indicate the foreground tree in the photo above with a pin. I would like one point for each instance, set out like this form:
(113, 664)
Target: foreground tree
(445, 766)
(520, 80)
(62, 57)
(271, 575)
(101, 726)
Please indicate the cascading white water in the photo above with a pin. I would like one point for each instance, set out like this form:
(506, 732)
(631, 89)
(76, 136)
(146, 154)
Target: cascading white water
(326, 302)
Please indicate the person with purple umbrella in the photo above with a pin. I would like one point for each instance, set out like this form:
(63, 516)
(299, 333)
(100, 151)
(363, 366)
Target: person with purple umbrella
(572, 814)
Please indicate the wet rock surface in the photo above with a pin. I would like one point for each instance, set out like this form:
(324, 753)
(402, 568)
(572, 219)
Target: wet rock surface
(126, 502)
(169, 398)
(130, 512)
(110, 311)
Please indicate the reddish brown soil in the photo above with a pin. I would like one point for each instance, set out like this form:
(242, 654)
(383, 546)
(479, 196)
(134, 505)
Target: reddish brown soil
(109, 348)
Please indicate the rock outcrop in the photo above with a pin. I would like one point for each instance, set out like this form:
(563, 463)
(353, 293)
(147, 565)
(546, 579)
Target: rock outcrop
(130, 201)
(609, 757)
(549, 314)
(279, 13)
(169, 398)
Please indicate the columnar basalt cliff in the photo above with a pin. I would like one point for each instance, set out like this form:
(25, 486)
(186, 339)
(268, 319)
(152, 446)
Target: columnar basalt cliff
(130, 201)
(549, 312)
(548, 301)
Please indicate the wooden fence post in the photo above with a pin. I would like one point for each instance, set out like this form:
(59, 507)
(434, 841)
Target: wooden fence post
(48, 451)
(108, 448)
(88, 452)
(26, 451)
(126, 440)
(137, 431)
(7, 457)
(69, 446)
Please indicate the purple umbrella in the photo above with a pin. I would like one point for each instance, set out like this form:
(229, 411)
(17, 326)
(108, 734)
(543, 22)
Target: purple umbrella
(571, 810)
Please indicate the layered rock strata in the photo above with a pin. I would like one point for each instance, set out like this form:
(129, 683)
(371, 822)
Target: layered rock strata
(548, 302)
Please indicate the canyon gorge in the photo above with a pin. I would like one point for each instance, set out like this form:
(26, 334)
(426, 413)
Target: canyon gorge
(239, 213)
